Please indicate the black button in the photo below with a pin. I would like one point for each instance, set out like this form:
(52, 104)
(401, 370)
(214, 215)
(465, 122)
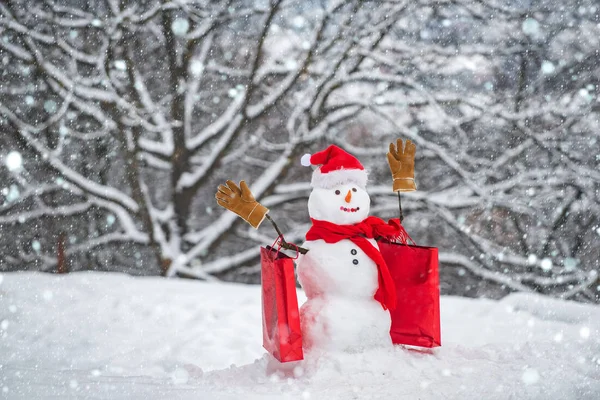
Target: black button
(355, 261)
(353, 252)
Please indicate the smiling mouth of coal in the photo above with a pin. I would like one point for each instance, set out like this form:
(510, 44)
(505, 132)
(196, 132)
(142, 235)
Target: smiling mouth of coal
(349, 209)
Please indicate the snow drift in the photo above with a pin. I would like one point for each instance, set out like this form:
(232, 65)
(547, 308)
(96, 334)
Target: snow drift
(111, 336)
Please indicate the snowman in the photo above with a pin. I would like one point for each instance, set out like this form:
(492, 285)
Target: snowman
(347, 283)
(341, 273)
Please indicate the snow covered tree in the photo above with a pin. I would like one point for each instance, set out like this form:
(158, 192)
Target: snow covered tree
(120, 118)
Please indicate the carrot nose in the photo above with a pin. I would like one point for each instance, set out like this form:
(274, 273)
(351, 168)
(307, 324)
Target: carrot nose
(348, 197)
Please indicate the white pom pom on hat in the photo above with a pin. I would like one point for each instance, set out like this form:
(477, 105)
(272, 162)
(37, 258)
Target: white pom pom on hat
(305, 160)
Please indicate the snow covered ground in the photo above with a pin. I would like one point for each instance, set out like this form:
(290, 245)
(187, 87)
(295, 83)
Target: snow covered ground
(111, 336)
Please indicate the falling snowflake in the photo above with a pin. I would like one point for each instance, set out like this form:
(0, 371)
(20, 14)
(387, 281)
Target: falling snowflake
(546, 264)
(547, 67)
(584, 332)
(558, 337)
(36, 246)
(180, 26)
(586, 95)
(299, 22)
(110, 220)
(570, 263)
(47, 295)
(530, 376)
(196, 67)
(121, 65)
(13, 194)
(50, 106)
(531, 27)
(14, 161)
(532, 259)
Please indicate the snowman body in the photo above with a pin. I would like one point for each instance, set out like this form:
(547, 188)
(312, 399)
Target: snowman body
(340, 280)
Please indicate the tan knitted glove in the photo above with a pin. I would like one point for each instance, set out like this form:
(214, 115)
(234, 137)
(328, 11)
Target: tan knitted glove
(402, 164)
(241, 201)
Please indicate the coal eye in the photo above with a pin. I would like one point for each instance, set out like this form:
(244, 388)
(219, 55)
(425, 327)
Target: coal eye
(354, 189)
(337, 192)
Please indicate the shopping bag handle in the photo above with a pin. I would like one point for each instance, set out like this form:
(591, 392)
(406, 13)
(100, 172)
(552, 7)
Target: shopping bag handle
(403, 237)
(284, 244)
(281, 243)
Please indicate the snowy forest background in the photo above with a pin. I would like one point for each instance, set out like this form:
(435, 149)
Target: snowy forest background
(118, 120)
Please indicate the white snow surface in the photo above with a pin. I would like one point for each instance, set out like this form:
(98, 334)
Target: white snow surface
(111, 336)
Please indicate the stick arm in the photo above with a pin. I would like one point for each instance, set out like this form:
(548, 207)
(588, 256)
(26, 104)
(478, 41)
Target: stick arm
(285, 244)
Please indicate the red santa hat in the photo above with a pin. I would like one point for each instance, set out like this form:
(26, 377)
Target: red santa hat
(336, 167)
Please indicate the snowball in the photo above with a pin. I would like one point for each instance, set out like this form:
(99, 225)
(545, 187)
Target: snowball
(546, 264)
(180, 26)
(530, 376)
(14, 161)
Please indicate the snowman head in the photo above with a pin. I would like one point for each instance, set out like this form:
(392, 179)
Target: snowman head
(345, 204)
(339, 195)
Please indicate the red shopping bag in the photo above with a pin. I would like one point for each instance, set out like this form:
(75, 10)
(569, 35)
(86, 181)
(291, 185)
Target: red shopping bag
(282, 336)
(416, 319)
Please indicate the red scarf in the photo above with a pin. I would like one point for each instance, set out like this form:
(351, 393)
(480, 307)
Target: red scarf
(372, 228)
